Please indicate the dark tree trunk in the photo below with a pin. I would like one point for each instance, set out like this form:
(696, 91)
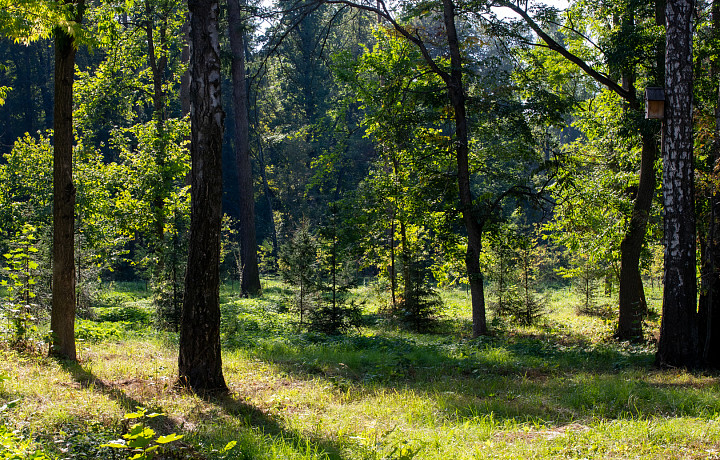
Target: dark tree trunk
(474, 230)
(709, 307)
(632, 305)
(408, 287)
(157, 66)
(185, 78)
(250, 283)
(62, 316)
(200, 362)
(393, 276)
(678, 345)
(268, 198)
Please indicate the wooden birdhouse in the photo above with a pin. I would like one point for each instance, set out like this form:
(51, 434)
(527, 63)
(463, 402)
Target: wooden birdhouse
(655, 103)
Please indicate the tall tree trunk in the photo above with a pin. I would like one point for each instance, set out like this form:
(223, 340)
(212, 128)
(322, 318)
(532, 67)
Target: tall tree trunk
(632, 305)
(199, 361)
(157, 66)
(268, 198)
(474, 230)
(185, 77)
(709, 306)
(408, 289)
(62, 316)
(678, 345)
(250, 283)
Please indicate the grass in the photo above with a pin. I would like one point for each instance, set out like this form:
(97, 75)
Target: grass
(560, 389)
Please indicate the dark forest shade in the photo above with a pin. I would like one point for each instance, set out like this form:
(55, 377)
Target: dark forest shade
(199, 361)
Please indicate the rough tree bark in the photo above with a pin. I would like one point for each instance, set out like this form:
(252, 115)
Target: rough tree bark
(62, 316)
(200, 362)
(678, 345)
(250, 282)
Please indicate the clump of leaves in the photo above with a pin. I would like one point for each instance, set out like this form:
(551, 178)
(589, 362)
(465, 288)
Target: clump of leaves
(96, 332)
(141, 440)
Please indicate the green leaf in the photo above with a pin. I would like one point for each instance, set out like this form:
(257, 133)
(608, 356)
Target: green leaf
(32, 265)
(228, 447)
(169, 438)
(139, 443)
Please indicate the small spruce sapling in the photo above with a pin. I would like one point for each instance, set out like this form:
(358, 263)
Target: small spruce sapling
(298, 266)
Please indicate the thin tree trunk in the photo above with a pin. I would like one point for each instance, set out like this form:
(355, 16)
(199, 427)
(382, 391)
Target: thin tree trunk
(250, 283)
(200, 361)
(62, 316)
(632, 304)
(678, 345)
(474, 230)
(157, 66)
(268, 198)
(393, 276)
(408, 287)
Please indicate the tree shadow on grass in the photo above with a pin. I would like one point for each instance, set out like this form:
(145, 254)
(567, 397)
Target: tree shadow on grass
(269, 426)
(250, 415)
(86, 379)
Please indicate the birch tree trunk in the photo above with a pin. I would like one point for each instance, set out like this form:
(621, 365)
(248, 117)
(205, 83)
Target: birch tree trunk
(678, 345)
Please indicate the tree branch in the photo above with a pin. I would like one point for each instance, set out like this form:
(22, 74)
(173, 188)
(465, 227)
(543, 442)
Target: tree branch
(554, 45)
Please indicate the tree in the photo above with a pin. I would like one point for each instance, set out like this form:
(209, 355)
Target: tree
(456, 92)
(709, 100)
(250, 281)
(625, 43)
(299, 267)
(678, 344)
(62, 319)
(200, 361)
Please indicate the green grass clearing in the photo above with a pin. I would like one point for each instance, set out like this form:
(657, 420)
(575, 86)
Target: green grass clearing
(561, 389)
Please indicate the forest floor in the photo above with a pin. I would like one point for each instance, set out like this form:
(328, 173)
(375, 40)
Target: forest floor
(561, 389)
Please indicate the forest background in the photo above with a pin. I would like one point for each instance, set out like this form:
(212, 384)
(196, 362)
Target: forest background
(383, 161)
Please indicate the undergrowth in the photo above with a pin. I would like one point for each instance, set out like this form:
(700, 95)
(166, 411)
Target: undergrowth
(561, 388)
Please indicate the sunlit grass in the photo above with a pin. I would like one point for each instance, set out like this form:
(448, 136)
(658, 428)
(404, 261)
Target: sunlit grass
(560, 389)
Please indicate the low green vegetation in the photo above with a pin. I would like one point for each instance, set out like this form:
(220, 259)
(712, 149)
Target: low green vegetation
(562, 388)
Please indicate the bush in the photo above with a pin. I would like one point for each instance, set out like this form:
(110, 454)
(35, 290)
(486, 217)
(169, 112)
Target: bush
(90, 331)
